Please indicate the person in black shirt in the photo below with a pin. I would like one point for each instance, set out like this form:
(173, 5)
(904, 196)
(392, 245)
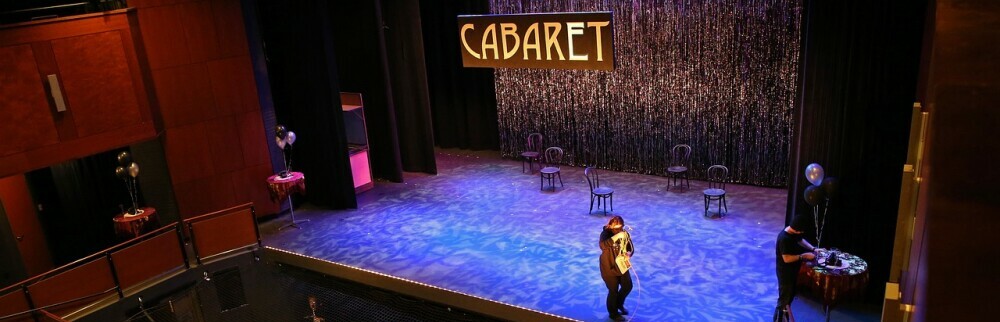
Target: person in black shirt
(614, 241)
(790, 249)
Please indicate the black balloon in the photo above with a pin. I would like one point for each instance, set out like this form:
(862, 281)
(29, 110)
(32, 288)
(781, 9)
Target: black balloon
(124, 158)
(813, 195)
(280, 131)
(121, 172)
(830, 186)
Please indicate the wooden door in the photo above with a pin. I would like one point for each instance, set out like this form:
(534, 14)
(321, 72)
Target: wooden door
(20, 210)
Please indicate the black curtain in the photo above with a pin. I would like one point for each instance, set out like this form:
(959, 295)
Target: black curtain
(298, 44)
(859, 80)
(405, 48)
(463, 100)
(77, 200)
(363, 67)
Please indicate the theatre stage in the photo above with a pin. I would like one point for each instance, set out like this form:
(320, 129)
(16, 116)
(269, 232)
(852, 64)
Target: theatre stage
(482, 227)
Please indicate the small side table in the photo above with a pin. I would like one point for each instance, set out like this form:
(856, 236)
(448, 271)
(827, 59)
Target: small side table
(129, 226)
(281, 188)
(834, 284)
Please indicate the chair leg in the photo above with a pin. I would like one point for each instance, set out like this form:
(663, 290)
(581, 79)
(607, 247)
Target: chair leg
(541, 181)
(706, 206)
(560, 180)
(591, 203)
(612, 195)
(724, 204)
(687, 180)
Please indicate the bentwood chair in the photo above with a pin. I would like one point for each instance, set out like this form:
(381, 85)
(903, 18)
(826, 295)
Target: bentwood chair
(532, 151)
(717, 176)
(597, 192)
(680, 161)
(550, 167)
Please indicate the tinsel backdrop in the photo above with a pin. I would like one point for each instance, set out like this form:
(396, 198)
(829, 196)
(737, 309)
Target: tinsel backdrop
(718, 75)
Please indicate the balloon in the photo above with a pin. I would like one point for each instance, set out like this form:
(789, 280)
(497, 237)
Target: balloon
(280, 132)
(830, 185)
(281, 143)
(133, 169)
(290, 138)
(121, 172)
(813, 195)
(124, 158)
(814, 172)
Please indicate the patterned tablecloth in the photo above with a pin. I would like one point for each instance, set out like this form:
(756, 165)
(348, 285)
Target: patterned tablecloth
(131, 226)
(833, 284)
(281, 187)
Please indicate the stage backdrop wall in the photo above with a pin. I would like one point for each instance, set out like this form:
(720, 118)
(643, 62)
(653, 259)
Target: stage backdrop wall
(719, 76)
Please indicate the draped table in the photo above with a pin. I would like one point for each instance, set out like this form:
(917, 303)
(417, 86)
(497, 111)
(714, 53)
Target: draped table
(834, 283)
(282, 187)
(129, 226)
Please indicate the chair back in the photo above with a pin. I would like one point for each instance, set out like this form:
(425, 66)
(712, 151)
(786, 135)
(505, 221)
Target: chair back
(534, 143)
(593, 179)
(717, 177)
(553, 156)
(680, 155)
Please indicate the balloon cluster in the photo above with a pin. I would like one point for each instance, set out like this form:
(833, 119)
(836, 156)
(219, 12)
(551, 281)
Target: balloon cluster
(128, 171)
(823, 189)
(285, 139)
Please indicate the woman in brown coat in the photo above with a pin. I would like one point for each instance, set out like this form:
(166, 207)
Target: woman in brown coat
(615, 241)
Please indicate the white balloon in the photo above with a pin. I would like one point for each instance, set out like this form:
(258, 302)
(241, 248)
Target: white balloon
(281, 143)
(290, 137)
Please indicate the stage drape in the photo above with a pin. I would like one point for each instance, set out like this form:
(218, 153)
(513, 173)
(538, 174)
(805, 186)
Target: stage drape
(380, 56)
(463, 100)
(860, 67)
(719, 76)
(405, 47)
(77, 200)
(299, 47)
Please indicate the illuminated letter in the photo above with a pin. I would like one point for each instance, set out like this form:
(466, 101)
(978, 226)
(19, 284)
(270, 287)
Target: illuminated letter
(532, 31)
(465, 43)
(574, 28)
(550, 39)
(597, 29)
(509, 29)
(491, 32)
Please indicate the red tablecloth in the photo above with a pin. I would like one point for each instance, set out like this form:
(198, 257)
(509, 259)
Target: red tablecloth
(281, 187)
(132, 226)
(833, 284)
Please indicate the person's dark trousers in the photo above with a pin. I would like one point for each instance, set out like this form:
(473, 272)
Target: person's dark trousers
(786, 292)
(616, 295)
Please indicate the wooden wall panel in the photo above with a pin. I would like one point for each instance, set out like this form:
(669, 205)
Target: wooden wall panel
(25, 115)
(228, 18)
(223, 137)
(185, 95)
(96, 81)
(233, 85)
(148, 259)
(199, 30)
(187, 154)
(163, 36)
(252, 133)
(21, 213)
(251, 187)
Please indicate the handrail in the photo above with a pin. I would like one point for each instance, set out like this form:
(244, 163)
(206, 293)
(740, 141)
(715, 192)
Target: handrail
(107, 254)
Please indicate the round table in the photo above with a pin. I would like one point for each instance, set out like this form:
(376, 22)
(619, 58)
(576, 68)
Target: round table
(833, 284)
(283, 186)
(128, 226)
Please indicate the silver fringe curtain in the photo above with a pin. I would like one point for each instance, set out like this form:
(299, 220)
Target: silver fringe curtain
(718, 75)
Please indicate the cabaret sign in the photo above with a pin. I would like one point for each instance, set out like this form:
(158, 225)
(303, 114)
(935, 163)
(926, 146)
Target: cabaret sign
(549, 40)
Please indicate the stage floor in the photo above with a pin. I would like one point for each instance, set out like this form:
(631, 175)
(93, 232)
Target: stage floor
(482, 227)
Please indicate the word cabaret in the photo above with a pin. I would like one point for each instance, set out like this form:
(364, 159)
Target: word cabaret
(549, 40)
